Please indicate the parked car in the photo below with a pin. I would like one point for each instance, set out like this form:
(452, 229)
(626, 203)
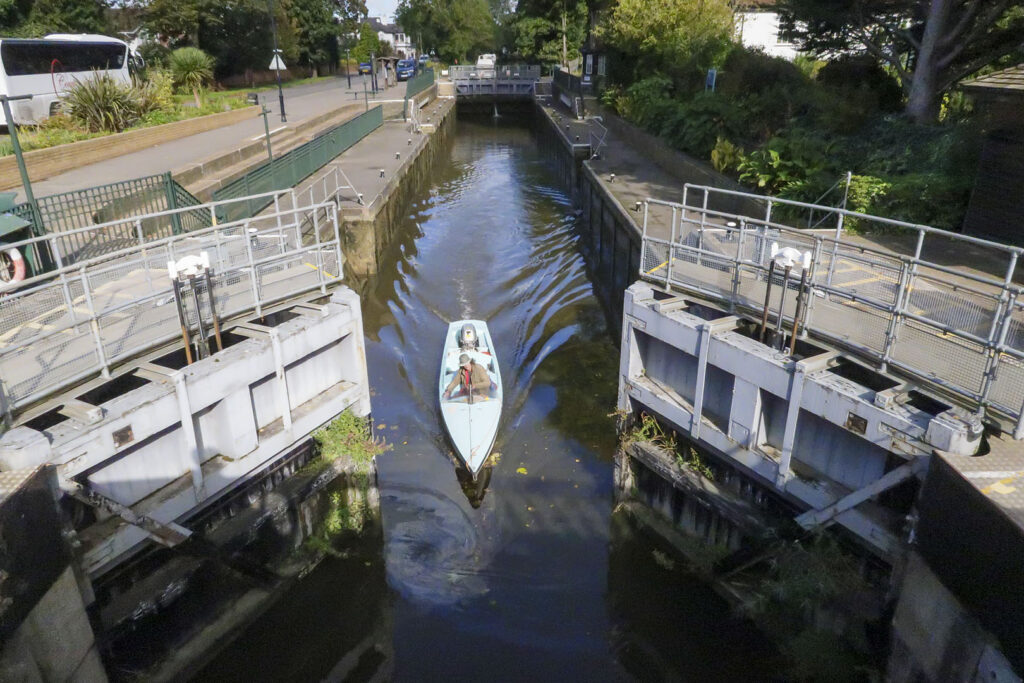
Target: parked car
(424, 59)
(365, 68)
(405, 69)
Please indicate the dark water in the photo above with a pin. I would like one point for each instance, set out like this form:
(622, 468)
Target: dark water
(528, 576)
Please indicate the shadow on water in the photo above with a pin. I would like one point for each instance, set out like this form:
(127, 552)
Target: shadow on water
(511, 578)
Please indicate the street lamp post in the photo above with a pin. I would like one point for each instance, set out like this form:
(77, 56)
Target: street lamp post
(273, 29)
(5, 101)
(348, 69)
(373, 72)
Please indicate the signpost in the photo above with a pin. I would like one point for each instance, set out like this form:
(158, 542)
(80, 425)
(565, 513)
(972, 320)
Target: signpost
(277, 64)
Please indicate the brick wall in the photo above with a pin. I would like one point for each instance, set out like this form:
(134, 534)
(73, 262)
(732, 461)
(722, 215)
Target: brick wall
(43, 163)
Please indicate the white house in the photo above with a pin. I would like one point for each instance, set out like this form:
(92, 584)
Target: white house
(400, 41)
(757, 25)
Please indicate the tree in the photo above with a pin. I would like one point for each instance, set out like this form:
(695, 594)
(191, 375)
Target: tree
(549, 30)
(367, 44)
(315, 30)
(40, 17)
(930, 44)
(456, 29)
(672, 36)
(191, 68)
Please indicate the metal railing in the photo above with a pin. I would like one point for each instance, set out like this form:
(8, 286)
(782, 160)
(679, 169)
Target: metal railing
(958, 330)
(79, 320)
(291, 168)
(414, 86)
(513, 72)
(68, 212)
(597, 139)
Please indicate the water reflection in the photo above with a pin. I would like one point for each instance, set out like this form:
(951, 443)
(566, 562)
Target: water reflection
(474, 488)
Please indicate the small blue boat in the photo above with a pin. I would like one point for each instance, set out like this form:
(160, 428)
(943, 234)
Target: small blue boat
(470, 417)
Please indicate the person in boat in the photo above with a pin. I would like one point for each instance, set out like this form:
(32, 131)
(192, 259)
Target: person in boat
(470, 374)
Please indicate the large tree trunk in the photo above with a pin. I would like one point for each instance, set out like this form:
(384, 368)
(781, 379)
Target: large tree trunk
(922, 101)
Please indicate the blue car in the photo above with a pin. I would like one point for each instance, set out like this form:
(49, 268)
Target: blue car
(365, 68)
(406, 69)
(423, 60)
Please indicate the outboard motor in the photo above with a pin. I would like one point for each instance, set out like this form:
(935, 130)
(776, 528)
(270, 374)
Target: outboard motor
(467, 337)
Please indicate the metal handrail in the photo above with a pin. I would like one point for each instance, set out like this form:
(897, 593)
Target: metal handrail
(996, 309)
(75, 324)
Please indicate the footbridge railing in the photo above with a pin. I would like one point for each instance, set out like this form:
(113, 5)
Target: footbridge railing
(81, 319)
(504, 79)
(939, 307)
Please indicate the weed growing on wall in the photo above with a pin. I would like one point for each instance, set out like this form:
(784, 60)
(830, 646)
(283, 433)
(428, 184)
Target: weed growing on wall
(349, 435)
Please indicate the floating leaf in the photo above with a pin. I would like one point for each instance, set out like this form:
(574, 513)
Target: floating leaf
(381, 426)
(521, 470)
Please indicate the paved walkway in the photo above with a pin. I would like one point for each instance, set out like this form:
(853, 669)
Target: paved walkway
(301, 103)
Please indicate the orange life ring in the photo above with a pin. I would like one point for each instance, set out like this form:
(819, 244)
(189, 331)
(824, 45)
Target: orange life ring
(12, 267)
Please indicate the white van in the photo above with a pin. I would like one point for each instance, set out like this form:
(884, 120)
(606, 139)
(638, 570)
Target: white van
(485, 66)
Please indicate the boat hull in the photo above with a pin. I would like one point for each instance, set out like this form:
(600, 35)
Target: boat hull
(472, 425)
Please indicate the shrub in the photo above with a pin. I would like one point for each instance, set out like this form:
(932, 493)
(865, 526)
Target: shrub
(862, 73)
(726, 157)
(155, 93)
(101, 103)
(696, 125)
(785, 165)
(192, 68)
(156, 55)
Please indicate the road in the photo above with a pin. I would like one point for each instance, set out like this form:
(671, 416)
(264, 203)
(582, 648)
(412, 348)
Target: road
(301, 103)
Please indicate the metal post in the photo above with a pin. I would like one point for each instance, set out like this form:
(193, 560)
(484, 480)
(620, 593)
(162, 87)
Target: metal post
(780, 339)
(348, 68)
(180, 305)
(94, 323)
(213, 310)
(366, 95)
(373, 72)
(273, 30)
(252, 271)
(671, 251)
(172, 203)
(145, 257)
(798, 311)
(907, 275)
(188, 429)
(767, 302)
(19, 157)
(266, 128)
(811, 279)
(736, 266)
(319, 255)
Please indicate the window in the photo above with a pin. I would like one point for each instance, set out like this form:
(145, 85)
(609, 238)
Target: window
(27, 57)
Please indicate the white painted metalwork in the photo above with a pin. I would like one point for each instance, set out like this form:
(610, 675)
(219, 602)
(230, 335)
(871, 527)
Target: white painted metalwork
(84, 317)
(959, 330)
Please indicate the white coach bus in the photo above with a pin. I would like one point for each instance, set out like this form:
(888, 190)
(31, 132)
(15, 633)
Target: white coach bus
(46, 67)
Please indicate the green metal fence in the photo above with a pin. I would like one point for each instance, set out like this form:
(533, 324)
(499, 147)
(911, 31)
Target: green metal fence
(414, 86)
(288, 170)
(69, 211)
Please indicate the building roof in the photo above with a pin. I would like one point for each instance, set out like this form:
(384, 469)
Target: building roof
(377, 25)
(1007, 81)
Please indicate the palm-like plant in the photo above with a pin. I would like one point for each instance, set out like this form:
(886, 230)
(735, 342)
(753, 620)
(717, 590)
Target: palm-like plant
(101, 103)
(191, 68)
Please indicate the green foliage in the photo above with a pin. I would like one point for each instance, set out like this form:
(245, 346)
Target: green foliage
(725, 156)
(676, 37)
(156, 55)
(695, 126)
(34, 18)
(191, 68)
(536, 30)
(368, 44)
(785, 165)
(316, 32)
(348, 435)
(155, 93)
(647, 429)
(457, 30)
(101, 103)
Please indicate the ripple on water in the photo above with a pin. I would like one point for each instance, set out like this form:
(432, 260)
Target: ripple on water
(433, 550)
